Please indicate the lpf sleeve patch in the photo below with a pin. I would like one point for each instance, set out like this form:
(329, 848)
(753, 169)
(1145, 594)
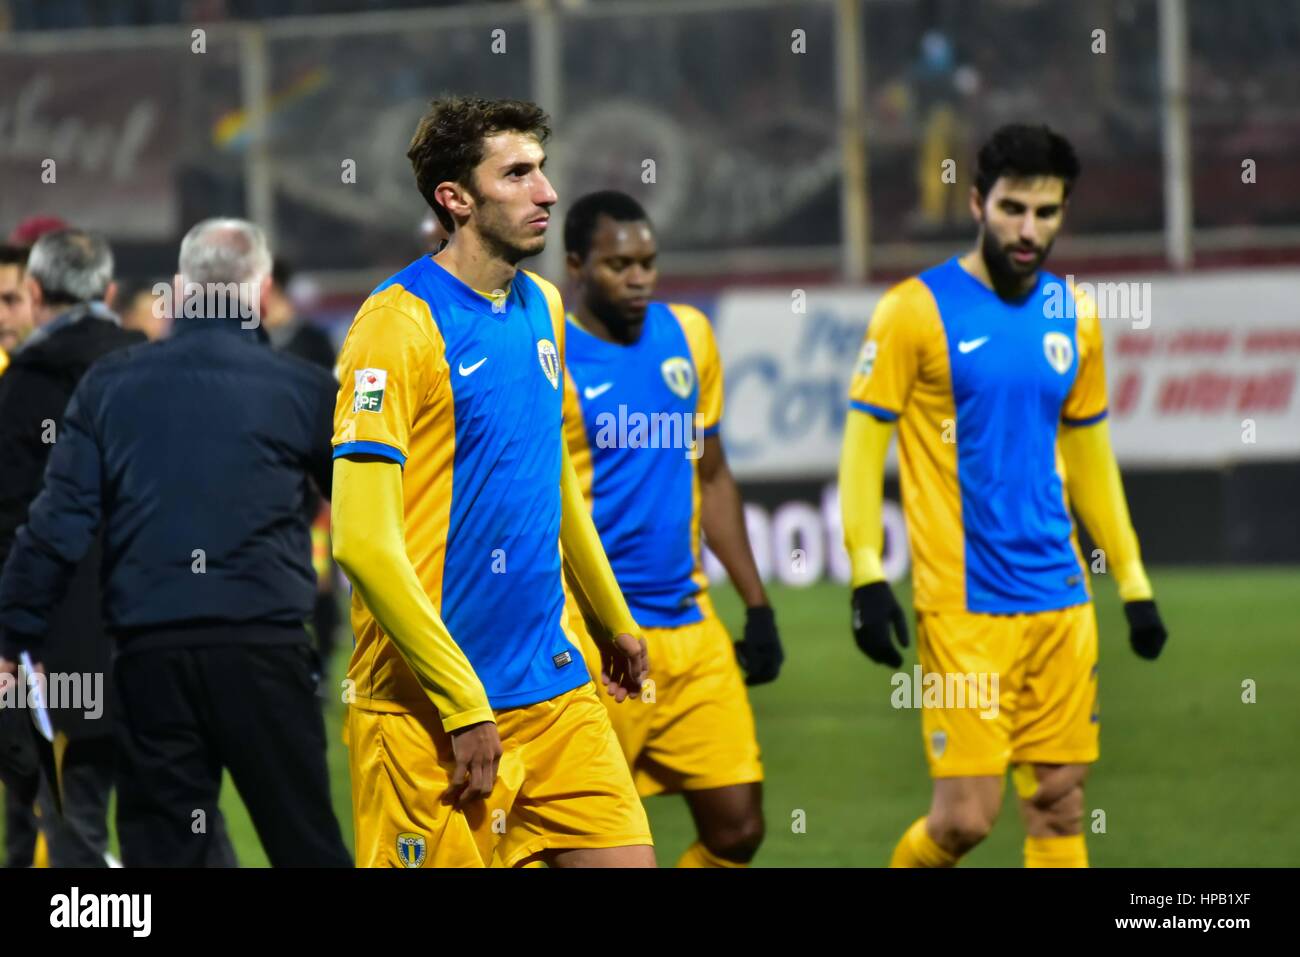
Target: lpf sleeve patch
(369, 394)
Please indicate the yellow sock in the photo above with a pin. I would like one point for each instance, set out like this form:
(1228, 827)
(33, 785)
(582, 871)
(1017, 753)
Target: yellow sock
(41, 856)
(1056, 851)
(918, 849)
(697, 855)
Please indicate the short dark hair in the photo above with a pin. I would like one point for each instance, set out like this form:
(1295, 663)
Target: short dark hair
(281, 273)
(448, 141)
(580, 223)
(1019, 149)
(14, 255)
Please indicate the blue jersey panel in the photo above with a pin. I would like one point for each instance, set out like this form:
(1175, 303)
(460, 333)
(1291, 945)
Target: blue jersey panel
(1012, 366)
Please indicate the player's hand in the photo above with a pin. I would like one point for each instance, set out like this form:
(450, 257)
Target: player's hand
(1146, 632)
(759, 651)
(477, 748)
(874, 611)
(624, 664)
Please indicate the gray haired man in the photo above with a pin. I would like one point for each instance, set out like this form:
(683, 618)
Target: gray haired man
(193, 458)
(70, 286)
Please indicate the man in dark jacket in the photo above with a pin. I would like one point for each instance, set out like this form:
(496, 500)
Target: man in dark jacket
(194, 455)
(69, 284)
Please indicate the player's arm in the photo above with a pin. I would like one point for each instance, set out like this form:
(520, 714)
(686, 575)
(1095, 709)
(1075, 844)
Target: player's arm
(623, 651)
(1092, 482)
(722, 511)
(886, 370)
(391, 368)
(369, 545)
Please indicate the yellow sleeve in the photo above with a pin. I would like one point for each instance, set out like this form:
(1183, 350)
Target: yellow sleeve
(1093, 484)
(1086, 401)
(389, 364)
(369, 545)
(892, 352)
(862, 478)
(590, 574)
(704, 354)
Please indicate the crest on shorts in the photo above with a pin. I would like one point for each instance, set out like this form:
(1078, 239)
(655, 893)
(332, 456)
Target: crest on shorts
(679, 374)
(938, 743)
(550, 361)
(1059, 351)
(411, 849)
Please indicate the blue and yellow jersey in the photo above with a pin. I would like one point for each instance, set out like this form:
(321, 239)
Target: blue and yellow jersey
(980, 387)
(635, 419)
(466, 394)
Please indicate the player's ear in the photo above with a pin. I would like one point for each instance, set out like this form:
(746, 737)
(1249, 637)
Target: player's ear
(977, 205)
(573, 265)
(455, 198)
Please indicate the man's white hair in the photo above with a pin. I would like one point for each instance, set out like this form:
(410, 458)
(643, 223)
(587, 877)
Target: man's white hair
(224, 250)
(71, 264)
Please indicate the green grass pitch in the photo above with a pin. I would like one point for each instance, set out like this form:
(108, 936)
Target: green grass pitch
(1189, 773)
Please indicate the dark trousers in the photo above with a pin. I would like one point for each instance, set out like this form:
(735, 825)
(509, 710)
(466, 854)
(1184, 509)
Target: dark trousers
(187, 713)
(20, 819)
(79, 836)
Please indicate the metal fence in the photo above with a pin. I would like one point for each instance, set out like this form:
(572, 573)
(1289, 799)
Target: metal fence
(760, 135)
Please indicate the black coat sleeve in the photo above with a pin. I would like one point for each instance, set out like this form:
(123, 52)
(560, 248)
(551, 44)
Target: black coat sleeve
(61, 527)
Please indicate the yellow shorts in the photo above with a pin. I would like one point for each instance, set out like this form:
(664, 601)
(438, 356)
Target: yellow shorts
(691, 729)
(562, 783)
(1029, 683)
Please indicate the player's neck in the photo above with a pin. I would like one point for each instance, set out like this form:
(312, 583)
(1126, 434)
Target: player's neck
(466, 258)
(591, 323)
(973, 262)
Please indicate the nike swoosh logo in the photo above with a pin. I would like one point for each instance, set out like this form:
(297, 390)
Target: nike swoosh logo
(593, 391)
(470, 370)
(964, 347)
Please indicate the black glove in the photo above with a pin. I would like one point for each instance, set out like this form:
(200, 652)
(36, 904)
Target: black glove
(874, 610)
(1146, 632)
(759, 652)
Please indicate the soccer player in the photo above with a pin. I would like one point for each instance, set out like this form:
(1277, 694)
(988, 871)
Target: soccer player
(989, 365)
(651, 494)
(475, 735)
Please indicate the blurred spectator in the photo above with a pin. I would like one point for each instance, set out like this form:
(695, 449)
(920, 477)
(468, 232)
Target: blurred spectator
(33, 228)
(144, 311)
(194, 455)
(292, 334)
(70, 285)
(15, 304)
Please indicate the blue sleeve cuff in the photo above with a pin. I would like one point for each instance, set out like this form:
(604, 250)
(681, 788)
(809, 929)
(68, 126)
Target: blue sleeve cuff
(370, 448)
(712, 430)
(1090, 420)
(884, 415)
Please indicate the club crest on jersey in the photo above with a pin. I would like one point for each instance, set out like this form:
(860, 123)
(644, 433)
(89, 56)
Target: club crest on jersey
(679, 374)
(550, 361)
(1059, 351)
(412, 849)
(369, 394)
